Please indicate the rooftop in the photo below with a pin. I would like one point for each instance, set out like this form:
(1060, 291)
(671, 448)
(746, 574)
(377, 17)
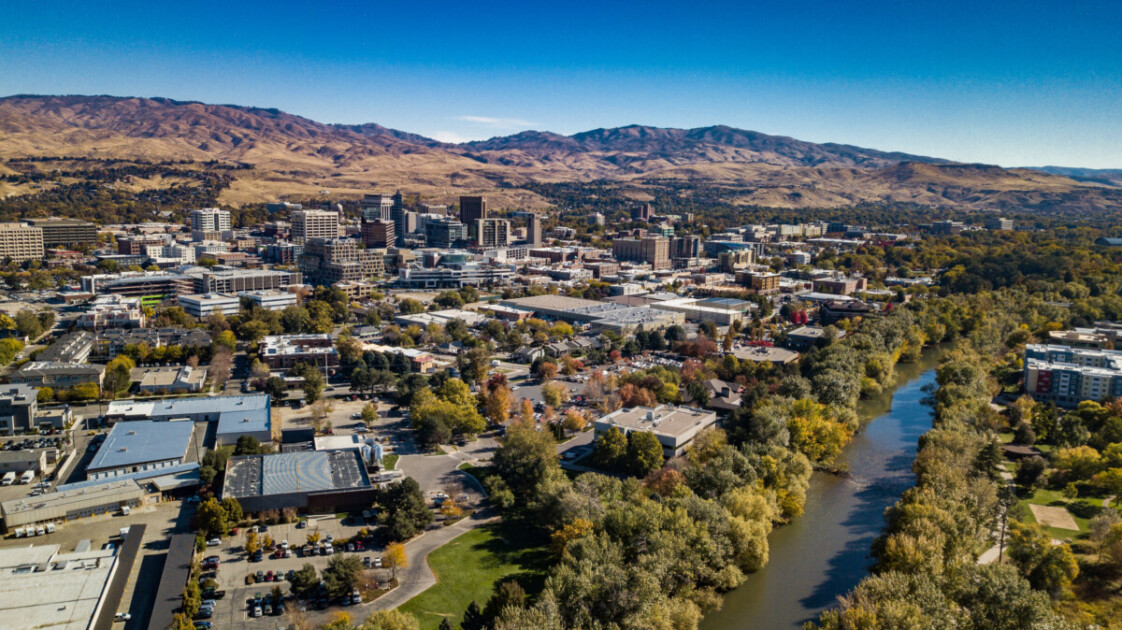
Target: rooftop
(62, 592)
(549, 302)
(296, 472)
(142, 441)
(184, 407)
(661, 420)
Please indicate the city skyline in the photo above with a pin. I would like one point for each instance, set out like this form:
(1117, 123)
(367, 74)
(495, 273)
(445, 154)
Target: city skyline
(994, 84)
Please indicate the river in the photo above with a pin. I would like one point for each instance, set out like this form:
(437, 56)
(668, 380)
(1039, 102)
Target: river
(825, 552)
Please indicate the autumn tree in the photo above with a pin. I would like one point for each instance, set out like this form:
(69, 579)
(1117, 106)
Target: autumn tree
(395, 558)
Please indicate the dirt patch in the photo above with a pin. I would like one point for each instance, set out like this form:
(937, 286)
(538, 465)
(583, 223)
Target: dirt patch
(1051, 516)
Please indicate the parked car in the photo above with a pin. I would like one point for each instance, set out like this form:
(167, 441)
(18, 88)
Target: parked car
(256, 611)
(214, 542)
(122, 617)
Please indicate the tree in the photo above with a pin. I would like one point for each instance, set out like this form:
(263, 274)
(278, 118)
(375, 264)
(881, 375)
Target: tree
(395, 558)
(390, 620)
(1048, 567)
(406, 511)
(233, 509)
(1030, 471)
(610, 449)
(46, 394)
(369, 414)
(574, 421)
(212, 518)
(118, 374)
(247, 445)
(497, 403)
(341, 574)
(644, 453)
(276, 388)
(546, 370)
(525, 459)
(226, 339)
(473, 618)
(555, 394)
(28, 324)
(431, 431)
(509, 594)
(252, 544)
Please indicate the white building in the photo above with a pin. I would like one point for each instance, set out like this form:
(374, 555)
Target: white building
(171, 254)
(112, 311)
(204, 304)
(271, 300)
(675, 427)
(210, 220)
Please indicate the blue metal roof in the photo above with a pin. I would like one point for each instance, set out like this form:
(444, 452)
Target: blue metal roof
(181, 469)
(140, 441)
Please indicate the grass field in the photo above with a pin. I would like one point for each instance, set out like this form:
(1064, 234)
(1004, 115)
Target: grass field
(1055, 497)
(389, 461)
(470, 568)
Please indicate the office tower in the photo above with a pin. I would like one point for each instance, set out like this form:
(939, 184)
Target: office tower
(534, 231)
(648, 249)
(21, 242)
(492, 232)
(472, 209)
(378, 233)
(404, 221)
(376, 207)
(309, 224)
(641, 212)
(326, 261)
(685, 247)
(444, 232)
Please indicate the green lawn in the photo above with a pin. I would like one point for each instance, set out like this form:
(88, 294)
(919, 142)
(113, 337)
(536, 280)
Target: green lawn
(389, 461)
(470, 568)
(1056, 497)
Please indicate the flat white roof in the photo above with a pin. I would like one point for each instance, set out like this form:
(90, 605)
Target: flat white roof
(63, 596)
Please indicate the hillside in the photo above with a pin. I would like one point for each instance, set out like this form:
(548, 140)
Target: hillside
(294, 157)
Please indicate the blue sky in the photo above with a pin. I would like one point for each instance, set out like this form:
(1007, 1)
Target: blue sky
(1010, 83)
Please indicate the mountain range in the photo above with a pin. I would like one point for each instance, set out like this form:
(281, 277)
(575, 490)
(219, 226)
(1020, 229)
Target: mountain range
(298, 158)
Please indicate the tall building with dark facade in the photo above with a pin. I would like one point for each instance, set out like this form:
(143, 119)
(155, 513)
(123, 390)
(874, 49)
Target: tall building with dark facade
(378, 233)
(492, 233)
(641, 212)
(376, 207)
(534, 231)
(472, 209)
(444, 233)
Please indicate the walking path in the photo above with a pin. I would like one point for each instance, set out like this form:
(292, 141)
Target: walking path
(418, 576)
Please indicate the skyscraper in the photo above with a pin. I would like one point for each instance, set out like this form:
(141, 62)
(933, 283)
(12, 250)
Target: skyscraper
(641, 212)
(492, 232)
(309, 224)
(472, 209)
(534, 231)
(378, 233)
(376, 207)
(207, 221)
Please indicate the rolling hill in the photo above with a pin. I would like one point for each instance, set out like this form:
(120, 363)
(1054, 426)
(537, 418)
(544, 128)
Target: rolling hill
(294, 157)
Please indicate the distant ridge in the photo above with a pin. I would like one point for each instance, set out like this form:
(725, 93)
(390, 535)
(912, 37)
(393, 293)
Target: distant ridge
(295, 157)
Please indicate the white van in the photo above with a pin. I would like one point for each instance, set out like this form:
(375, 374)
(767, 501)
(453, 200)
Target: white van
(50, 528)
(40, 530)
(20, 532)
(27, 477)
(9, 478)
(125, 510)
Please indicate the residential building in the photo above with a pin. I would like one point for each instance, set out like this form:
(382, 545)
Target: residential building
(1067, 376)
(74, 347)
(492, 232)
(472, 209)
(21, 242)
(141, 445)
(733, 260)
(654, 250)
(761, 282)
(675, 427)
(327, 261)
(840, 285)
(112, 311)
(1081, 339)
(171, 255)
(283, 253)
(282, 352)
(18, 407)
(204, 305)
(311, 224)
(110, 343)
(58, 231)
(833, 311)
(378, 233)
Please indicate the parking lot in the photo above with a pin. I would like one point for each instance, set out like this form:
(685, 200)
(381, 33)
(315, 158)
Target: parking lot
(233, 611)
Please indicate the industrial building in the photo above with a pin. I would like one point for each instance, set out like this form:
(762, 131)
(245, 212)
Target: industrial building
(675, 427)
(72, 504)
(319, 481)
(46, 588)
(141, 445)
(236, 415)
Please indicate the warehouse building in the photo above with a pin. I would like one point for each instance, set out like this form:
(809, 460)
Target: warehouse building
(45, 588)
(141, 445)
(236, 415)
(317, 481)
(69, 505)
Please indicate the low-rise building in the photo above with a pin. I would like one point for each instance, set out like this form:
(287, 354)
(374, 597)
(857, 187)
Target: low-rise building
(271, 300)
(112, 311)
(282, 352)
(317, 481)
(1067, 376)
(57, 375)
(170, 380)
(72, 347)
(207, 304)
(141, 445)
(18, 406)
(675, 427)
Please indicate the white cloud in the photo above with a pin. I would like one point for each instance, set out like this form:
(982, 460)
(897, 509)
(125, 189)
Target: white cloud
(498, 123)
(451, 137)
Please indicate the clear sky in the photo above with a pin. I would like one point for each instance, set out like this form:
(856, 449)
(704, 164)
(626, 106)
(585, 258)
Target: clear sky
(1010, 83)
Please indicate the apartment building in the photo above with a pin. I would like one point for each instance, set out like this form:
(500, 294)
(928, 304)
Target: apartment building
(327, 261)
(1067, 376)
(309, 224)
(492, 233)
(20, 242)
(209, 220)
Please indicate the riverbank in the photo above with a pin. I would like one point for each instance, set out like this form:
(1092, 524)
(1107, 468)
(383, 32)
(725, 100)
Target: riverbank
(824, 553)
